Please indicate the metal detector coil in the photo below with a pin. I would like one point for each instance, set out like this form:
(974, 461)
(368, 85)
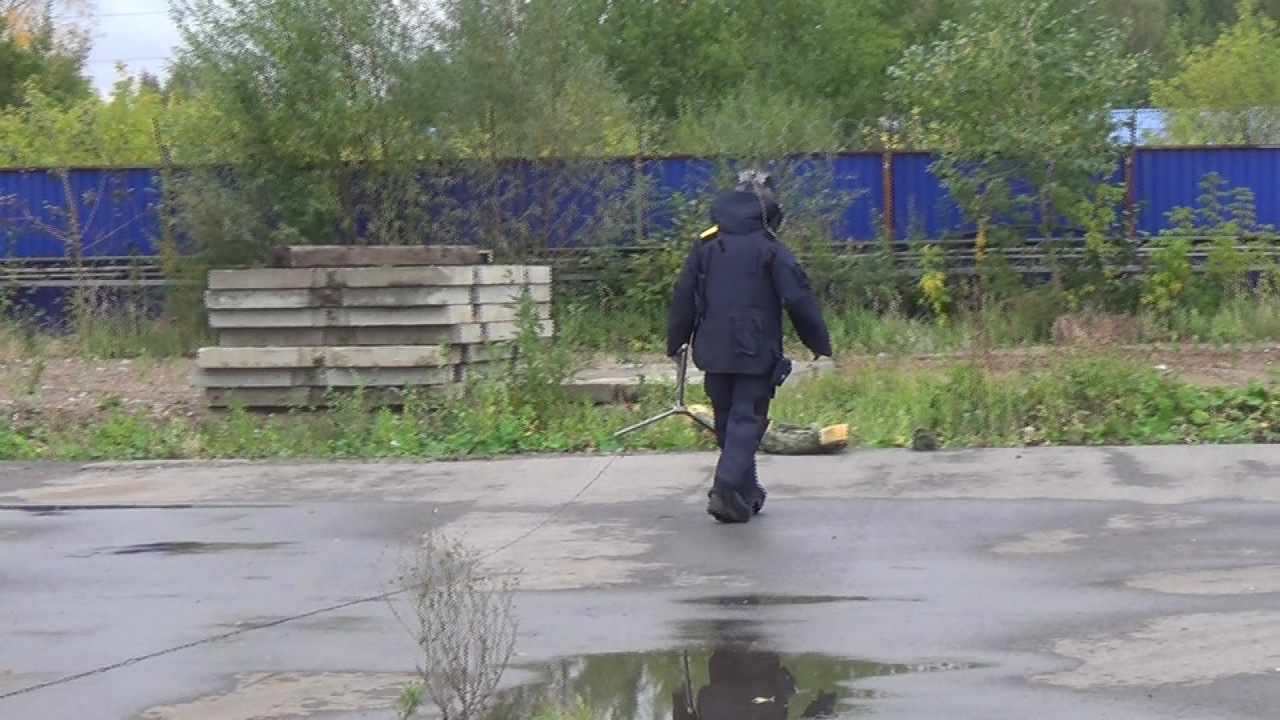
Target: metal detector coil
(679, 408)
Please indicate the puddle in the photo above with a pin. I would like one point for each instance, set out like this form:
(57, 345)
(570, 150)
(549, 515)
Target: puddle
(66, 509)
(184, 548)
(39, 510)
(775, 600)
(722, 669)
(729, 682)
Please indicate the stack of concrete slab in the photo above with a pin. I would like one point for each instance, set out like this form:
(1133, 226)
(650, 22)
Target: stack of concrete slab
(288, 336)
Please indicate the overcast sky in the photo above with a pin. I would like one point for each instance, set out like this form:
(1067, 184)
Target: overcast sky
(137, 31)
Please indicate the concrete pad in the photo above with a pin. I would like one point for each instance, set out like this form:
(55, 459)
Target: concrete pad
(234, 590)
(624, 383)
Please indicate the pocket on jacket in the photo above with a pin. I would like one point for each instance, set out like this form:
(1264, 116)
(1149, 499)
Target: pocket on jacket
(746, 335)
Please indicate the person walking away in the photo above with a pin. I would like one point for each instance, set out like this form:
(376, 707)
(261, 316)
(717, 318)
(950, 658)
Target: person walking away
(727, 306)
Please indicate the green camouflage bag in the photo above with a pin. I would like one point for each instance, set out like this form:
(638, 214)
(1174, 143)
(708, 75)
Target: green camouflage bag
(813, 439)
(791, 438)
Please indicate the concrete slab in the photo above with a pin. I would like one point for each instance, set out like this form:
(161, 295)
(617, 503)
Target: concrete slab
(241, 358)
(390, 297)
(336, 297)
(502, 294)
(342, 317)
(469, 333)
(332, 256)
(1045, 583)
(300, 278)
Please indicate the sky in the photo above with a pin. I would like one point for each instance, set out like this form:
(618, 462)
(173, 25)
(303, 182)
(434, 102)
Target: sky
(139, 32)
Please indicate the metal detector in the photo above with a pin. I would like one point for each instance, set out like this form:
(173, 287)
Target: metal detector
(679, 408)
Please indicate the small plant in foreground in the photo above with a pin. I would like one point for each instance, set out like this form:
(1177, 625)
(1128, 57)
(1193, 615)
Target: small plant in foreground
(464, 624)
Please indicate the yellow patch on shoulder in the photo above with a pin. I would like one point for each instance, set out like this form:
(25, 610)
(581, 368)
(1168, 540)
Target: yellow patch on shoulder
(709, 232)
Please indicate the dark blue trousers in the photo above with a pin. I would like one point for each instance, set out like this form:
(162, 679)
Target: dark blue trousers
(741, 406)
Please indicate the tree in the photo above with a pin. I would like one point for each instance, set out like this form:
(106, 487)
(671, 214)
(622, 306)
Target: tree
(537, 118)
(32, 54)
(511, 82)
(1147, 25)
(308, 100)
(30, 18)
(755, 123)
(1016, 101)
(1205, 109)
(1199, 22)
(117, 131)
(695, 53)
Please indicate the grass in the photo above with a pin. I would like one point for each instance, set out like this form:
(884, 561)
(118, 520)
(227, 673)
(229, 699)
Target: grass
(630, 333)
(581, 712)
(1078, 397)
(1084, 399)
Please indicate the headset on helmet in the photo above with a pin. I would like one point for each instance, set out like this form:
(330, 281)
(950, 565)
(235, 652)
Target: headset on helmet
(755, 180)
(762, 185)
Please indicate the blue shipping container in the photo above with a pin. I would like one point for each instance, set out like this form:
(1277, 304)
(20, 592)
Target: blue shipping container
(112, 213)
(1168, 178)
(117, 211)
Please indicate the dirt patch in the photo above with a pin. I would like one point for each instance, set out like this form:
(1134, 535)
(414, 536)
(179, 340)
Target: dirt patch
(1185, 649)
(258, 696)
(75, 389)
(1128, 522)
(1039, 543)
(1253, 580)
(1198, 364)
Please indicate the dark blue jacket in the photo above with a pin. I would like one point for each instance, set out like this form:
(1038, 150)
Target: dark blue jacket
(733, 288)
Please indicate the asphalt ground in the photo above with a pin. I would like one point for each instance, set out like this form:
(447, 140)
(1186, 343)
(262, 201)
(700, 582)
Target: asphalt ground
(1042, 583)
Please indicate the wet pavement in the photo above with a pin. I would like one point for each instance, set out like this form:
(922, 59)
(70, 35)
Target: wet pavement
(1047, 583)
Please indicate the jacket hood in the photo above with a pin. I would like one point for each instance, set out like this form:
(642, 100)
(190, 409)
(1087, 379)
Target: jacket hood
(738, 212)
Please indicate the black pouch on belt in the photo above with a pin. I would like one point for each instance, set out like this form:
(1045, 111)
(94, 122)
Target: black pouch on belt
(781, 370)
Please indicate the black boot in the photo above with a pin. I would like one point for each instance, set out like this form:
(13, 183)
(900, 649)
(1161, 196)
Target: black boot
(726, 505)
(756, 494)
(755, 497)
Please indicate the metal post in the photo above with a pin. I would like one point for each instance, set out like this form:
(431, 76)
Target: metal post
(678, 408)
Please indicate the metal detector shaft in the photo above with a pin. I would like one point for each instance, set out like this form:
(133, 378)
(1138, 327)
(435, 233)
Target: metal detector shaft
(682, 368)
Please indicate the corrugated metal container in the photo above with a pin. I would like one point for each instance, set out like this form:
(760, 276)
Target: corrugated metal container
(852, 180)
(857, 180)
(117, 211)
(676, 185)
(921, 206)
(562, 205)
(1169, 178)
